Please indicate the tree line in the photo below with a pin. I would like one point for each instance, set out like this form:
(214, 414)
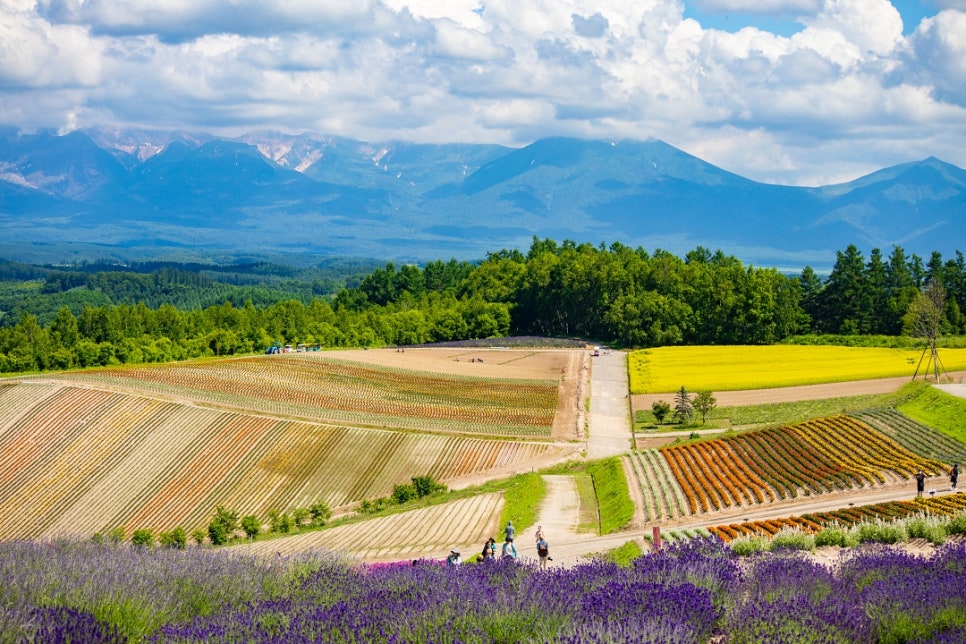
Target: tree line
(618, 294)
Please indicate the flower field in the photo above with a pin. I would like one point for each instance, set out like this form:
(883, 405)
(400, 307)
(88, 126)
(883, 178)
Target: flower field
(948, 505)
(731, 368)
(754, 468)
(80, 460)
(324, 389)
(465, 523)
(916, 437)
(663, 497)
(691, 592)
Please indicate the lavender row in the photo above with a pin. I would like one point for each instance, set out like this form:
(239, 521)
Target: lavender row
(692, 591)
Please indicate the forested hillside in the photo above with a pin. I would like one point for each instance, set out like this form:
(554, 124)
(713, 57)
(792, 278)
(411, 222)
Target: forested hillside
(66, 318)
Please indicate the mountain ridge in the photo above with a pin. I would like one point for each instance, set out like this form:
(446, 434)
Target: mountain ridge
(313, 194)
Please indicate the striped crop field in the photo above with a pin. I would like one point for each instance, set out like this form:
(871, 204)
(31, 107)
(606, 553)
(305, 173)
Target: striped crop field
(733, 368)
(914, 436)
(948, 505)
(663, 497)
(755, 468)
(465, 523)
(79, 460)
(324, 389)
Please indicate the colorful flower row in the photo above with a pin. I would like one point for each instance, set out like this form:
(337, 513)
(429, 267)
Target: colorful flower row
(814, 522)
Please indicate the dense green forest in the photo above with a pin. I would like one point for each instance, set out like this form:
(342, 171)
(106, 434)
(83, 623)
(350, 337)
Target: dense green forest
(68, 317)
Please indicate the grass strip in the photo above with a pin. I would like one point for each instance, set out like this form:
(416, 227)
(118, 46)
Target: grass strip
(613, 497)
(935, 408)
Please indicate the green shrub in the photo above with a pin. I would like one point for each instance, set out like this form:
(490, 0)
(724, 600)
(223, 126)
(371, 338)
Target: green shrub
(176, 538)
(301, 516)
(929, 528)
(217, 534)
(881, 533)
(321, 512)
(745, 546)
(404, 493)
(251, 525)
(833, 536)
(957, 525)
(279, 522)
(792, 540)
(142, 538)
(427, 486)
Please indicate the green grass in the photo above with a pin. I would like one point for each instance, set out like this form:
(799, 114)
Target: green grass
(935, 408)
(522, 499)
(587, 521)
(783, 413)
(625, 554)
(613, 497)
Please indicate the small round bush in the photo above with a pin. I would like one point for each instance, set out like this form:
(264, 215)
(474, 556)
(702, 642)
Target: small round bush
(833, 536)
(792, 540)
(957, 525)
(143, 537)
(745, 546)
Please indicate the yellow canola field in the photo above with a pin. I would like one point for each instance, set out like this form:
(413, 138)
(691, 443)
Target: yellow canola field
(732, 368)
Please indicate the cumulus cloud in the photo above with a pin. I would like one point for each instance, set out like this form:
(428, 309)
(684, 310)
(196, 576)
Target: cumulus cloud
(847, 93)
(939, 60)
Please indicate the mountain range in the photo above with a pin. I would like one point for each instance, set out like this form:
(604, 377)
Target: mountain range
(106, 192)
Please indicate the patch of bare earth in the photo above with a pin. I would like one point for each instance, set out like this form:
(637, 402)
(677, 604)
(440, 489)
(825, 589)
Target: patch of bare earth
(570, 367)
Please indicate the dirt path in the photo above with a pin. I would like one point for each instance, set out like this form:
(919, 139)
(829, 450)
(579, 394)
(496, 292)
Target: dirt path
(559, 518)
(609, 420)
(792, 394)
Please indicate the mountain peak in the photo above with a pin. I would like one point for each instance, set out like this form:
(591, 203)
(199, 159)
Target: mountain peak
(326, 195)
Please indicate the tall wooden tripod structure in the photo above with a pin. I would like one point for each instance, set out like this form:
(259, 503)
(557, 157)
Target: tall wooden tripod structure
(934, 365)
(929, 307)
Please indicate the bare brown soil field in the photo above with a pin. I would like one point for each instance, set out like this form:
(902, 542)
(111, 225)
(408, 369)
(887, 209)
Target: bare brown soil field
(571, 367)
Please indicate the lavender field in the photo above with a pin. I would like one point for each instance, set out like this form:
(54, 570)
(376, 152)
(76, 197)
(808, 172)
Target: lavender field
(693, 591)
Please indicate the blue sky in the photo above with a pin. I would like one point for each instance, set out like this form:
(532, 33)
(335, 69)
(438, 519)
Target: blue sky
(802, 92)
(782, 19)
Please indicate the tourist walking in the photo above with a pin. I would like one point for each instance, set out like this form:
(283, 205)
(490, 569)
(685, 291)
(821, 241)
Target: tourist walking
(509, 550)
(954, 474)
(509, 531)
(489, 550)
(920, 483)
(539, 534)
(543, 552)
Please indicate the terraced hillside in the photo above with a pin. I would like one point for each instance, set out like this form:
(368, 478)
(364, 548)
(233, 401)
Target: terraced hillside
(758, 467)
(161, 447)
(331, 390)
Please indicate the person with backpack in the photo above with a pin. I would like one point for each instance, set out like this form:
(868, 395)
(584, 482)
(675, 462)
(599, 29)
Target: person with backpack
(453, 560)
(954, 474)
(543, 552)
(509, 550)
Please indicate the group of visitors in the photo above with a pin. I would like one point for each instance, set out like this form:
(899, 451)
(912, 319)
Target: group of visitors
(921, 479)
(509, 549)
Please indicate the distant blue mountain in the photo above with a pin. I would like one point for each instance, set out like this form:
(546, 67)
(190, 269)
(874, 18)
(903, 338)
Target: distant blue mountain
(273, 194)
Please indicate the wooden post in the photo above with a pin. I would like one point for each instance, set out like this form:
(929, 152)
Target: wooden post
(656, 532)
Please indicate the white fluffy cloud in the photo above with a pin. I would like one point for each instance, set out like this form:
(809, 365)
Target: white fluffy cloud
(846, 94)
